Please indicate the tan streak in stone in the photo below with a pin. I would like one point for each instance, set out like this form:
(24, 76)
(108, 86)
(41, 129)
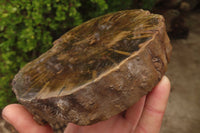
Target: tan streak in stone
(121, 52)
(118, 38)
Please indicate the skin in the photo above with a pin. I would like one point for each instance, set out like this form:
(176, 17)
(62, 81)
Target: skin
(144, 116)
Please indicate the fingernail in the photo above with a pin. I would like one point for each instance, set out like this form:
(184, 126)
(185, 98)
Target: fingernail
(166, 79)
(4, 116)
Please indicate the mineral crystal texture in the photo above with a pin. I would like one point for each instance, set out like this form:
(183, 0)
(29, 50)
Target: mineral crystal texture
(96, 70)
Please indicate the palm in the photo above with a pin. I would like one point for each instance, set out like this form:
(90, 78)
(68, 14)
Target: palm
(123, 123)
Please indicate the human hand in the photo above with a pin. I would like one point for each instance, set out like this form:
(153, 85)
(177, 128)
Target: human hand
(144, 116)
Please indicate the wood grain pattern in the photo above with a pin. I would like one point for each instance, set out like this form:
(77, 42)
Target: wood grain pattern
(97, 69)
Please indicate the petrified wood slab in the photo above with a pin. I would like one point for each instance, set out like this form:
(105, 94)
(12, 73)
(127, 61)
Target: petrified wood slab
(96, 70)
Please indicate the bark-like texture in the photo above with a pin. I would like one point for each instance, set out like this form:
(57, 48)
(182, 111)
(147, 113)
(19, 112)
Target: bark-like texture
(96, 70)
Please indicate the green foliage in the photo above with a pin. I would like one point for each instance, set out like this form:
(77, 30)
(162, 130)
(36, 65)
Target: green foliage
(148, 4)
(28, 27)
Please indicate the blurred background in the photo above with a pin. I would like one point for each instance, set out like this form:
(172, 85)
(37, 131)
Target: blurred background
(28, 28)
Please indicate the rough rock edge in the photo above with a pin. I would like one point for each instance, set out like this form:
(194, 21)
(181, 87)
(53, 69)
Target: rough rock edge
(155, 55)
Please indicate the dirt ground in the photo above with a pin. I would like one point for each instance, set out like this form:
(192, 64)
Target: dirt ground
(183, 110)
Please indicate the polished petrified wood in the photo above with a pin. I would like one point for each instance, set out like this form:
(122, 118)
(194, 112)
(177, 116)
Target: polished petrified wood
(96, 70)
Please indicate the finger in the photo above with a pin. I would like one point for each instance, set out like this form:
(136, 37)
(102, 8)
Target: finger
(133, 114)
(72, 128)
(154, 108)
(22, 120)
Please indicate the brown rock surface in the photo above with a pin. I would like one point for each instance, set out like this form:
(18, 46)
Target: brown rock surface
(96, 70)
